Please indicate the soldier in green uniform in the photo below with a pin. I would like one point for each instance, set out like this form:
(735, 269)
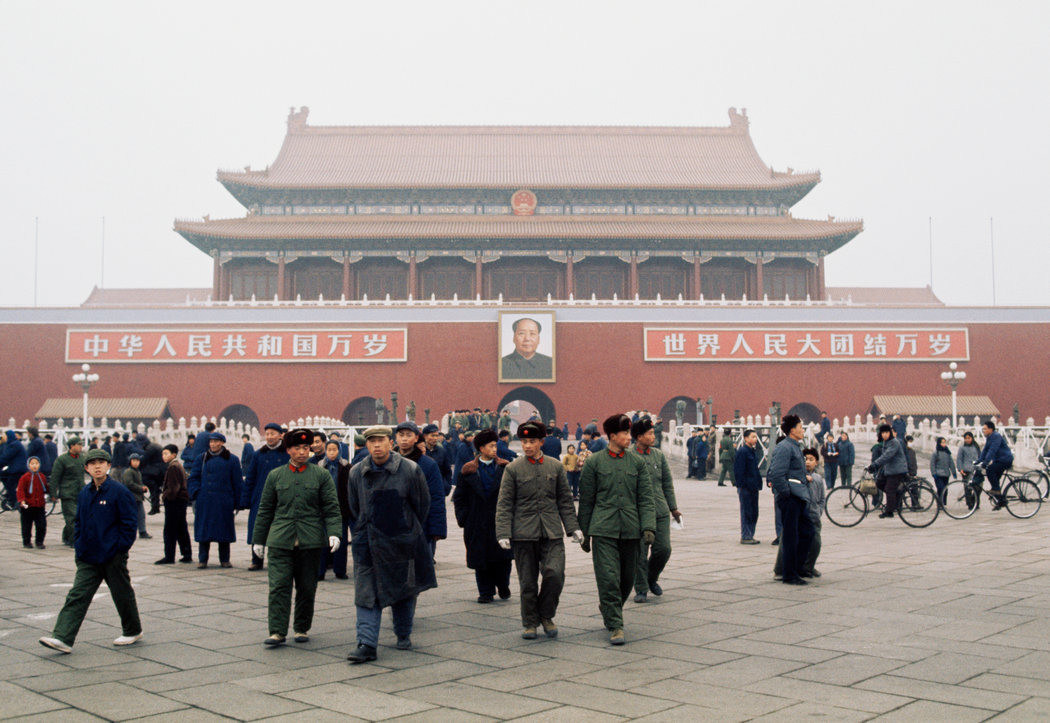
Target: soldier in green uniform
(616, 509)
(653, 558)
(298, 507)
(534, 506)
(67, 479)
(726, 457)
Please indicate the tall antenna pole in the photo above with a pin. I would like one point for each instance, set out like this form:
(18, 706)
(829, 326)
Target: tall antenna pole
(931, 253)
(102, 263)
(36, 256)
(991, 241)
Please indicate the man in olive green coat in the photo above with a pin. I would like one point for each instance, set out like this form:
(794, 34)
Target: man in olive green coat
(298, 517)
(653, 558)
(67, 479)
(616, 509)
(534, 506)
(726, 457)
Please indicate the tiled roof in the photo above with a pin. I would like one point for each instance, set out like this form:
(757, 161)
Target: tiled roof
(885, 295)
(518, 157)
(538, 227)
(934, 406)
(112, 409)
(144, 297)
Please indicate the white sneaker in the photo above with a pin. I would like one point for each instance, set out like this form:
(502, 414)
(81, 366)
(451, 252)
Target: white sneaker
(127, 639)
(56, 644)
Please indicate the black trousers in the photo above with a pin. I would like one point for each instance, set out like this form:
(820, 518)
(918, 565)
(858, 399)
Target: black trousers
(494, 576)
(795, 536)
(33, 516)
(154, 494)
(204, 551)
(175, 530)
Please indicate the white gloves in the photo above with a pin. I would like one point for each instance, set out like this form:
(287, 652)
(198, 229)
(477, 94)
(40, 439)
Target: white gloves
(577, 537)
(505, 544)
(333, 543)
(258, 550)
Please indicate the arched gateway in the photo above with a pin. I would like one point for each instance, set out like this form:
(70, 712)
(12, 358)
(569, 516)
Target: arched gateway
(532, 396)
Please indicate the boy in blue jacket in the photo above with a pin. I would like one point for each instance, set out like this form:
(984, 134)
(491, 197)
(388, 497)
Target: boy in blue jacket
(104, 530)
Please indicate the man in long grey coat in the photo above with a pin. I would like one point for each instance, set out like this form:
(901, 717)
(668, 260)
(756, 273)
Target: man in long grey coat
(388, 501)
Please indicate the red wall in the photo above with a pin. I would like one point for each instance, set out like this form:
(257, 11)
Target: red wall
(599, 371)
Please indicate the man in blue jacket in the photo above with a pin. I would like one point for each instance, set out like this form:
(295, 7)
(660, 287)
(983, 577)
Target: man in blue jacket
(104, 531)
(787, 477)
(847, 456)
(996, 457)
(748, 485)
(268, 457)
(13, 460)
(409, 444)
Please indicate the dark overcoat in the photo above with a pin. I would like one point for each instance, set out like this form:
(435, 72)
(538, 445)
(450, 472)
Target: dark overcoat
(388, 508)
(476, 514)
(215, 485)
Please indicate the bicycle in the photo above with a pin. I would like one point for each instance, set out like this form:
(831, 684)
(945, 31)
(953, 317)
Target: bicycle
(1021, 497)
(49, 505)
(918, 506)
(1041, 477)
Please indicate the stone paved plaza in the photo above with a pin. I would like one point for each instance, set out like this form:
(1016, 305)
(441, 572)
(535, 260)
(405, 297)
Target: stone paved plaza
(942, 623)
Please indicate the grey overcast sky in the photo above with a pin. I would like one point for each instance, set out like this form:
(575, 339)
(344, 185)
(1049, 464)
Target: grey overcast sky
(911, 110)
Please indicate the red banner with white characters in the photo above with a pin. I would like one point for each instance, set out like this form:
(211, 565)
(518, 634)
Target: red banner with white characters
(236, 345)
(806, 344)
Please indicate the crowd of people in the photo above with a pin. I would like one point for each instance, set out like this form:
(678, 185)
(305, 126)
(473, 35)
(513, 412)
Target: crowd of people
(312, 500)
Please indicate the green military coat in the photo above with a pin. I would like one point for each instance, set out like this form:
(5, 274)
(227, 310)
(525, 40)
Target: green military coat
(616, 496)
(297, 508)
(535, 501)
(660, 477)
(132, 479)
(67, 476)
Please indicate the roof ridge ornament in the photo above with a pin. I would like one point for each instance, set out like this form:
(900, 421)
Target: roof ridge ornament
(738, 120)
(297, 121)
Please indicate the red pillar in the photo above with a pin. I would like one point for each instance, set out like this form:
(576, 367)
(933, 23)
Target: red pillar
(224, 281)
(478, 279)
(633, 290)
(821, 291)
(282, 293)
(568, 275)
(759, 285)
(346, 277)
(697, 290)
(216, 278)
(413, 278)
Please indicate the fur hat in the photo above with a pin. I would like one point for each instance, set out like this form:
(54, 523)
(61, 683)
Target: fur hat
(485, 436)
(641, 427)
(532, 430)
(616, 423)
(295, 437)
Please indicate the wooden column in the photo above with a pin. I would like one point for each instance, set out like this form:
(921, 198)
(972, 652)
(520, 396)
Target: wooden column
(224, 281)
(413, 279)
(479, 287)
(282, 292)
(697, 291)
(568, 275)
(759, 286)
(346, 276)
(821, 291)
(216, 278)
(632, 291)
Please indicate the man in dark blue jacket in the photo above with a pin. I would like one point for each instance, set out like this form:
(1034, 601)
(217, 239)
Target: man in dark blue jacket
(551, 446)
(996, 456)
(503, 450)
(847, 457)
(787, 477)
(104, 531)
(748, 485)
(13, 460)
(410, 445)
(46, 465)
(900, 427)
(268, 457)
(437, 452)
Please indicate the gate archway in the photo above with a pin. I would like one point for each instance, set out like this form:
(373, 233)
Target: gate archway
(533, 397)
(806, 412)
(361, 411)
(667, 411)
(240, 413)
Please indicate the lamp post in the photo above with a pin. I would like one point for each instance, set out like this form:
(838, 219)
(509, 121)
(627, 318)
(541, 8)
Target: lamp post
(85, 379)
(393, 407)
(952, 377)
(710, 416)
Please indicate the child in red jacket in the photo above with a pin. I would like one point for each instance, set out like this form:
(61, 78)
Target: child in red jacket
(32, 492)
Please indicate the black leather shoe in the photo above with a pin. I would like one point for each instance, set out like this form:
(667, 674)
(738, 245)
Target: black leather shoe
(504, 593)
(404, 643)
(363, 654)
(164, 561)
(484, 599)
(796, 581)
(655, 589)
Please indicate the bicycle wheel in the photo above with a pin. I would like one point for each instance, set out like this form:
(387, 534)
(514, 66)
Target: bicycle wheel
(1042, 480)
(49, 506)
(1022, 498)
(918, 504)
(845, 506)
(959, 500)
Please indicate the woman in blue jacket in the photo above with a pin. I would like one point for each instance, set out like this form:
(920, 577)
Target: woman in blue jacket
(215, 486)
(894, 465)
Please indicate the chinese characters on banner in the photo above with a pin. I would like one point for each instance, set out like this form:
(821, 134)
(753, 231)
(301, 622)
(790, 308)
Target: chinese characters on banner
(236, 345)
(806, 344)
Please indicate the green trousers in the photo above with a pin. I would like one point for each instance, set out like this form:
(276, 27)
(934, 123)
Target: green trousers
(653, 558)
(614, 565)
(114, 572)
(69, 514)
(726, 471)
(286, 567)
